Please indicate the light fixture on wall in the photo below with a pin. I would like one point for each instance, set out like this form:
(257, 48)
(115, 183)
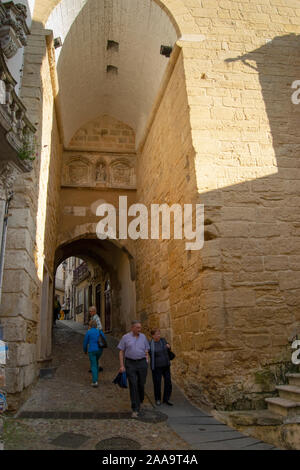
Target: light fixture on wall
(166, 50)
(57, 42)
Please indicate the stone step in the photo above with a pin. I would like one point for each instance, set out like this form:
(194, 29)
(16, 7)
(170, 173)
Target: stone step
(289, 392)
(283, 407)
(294, 379)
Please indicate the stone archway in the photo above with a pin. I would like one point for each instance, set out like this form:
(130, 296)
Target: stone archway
(178, 11)
(114, 260)
(39, 201)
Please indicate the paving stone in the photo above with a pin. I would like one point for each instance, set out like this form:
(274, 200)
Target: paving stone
(188, 420)
(47, 373)
(152, 416)
(118, 443)
(260, 446)
(69, 439)
(211, 436)
(196, 428)
(232, 444)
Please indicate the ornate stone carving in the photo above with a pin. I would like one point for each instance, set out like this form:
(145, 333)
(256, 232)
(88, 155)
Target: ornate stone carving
(98, 171)
(77, 172)
(13, 28)
(121, 173)
(15, 127)
(8, 173)
(101, 172)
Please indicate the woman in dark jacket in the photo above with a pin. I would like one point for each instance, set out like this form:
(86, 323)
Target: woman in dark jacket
(160, 366)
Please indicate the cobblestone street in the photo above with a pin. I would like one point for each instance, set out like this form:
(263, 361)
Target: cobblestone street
(69, 390)
(65, 412)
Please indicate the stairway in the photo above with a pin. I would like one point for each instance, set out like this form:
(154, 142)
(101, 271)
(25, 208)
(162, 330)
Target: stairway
(288, 402)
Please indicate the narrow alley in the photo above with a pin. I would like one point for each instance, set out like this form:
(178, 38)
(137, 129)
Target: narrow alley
(65, 412)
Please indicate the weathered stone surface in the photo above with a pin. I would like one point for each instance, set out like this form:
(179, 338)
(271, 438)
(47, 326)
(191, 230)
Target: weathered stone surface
(21, 354)
(14, 329)
(14, 380)
(223, 132)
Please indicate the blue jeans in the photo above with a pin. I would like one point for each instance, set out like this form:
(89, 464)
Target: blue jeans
(94, 359)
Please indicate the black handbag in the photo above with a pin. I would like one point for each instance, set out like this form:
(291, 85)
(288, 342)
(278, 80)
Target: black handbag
(171, 355)
(102, 343)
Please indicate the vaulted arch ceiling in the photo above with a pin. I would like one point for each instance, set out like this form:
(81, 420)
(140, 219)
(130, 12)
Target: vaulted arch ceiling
(121, 81)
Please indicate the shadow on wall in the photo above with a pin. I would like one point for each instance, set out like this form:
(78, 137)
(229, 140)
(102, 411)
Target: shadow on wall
(255, 228)
(229, 309)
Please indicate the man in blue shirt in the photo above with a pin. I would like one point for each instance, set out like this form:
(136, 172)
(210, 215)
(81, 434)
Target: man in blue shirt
(134, 359)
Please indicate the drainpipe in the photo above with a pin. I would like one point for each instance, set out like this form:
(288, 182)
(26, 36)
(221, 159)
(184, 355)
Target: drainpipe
(3, 240)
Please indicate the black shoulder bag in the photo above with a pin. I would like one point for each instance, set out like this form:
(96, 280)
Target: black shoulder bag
(170, 353)
(102, 343)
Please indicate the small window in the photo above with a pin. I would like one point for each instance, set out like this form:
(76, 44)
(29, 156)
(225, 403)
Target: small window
(112, 46)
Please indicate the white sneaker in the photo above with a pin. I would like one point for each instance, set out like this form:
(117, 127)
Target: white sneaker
(95, 384)
(135, 414)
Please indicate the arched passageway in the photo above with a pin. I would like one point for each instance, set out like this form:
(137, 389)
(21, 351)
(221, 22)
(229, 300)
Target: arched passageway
(92, 100)
(214, 136)
(107, 74)
(105, 277)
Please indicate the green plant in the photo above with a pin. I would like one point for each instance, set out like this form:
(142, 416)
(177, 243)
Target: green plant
(27, 152)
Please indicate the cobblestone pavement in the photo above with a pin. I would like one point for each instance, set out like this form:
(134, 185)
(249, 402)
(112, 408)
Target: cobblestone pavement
(70, 390)
(69, 394)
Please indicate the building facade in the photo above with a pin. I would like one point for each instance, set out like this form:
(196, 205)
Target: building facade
(188, 102)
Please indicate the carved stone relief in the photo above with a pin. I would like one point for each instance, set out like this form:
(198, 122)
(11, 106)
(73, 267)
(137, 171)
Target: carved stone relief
(8, 173)
(77, 172)
(101, 172)
(13, 28)
(120, 173)
(98, 171)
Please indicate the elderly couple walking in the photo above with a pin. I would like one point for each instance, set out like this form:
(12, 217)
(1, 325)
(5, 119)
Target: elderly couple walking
(134, 354)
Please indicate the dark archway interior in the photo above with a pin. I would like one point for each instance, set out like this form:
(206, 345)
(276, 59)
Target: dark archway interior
(107, 264)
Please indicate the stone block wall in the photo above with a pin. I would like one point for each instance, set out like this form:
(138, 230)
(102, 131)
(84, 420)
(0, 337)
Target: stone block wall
(104, 134)
(33, 216)
(225, 134)
(231, 308)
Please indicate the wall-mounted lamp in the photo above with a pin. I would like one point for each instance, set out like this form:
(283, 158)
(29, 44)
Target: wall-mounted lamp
(166, 50)
(57, 42)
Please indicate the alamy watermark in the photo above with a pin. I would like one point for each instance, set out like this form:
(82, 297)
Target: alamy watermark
(188, 222)
(296, 95)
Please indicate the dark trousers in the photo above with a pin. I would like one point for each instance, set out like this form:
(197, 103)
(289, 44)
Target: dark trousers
(136, 372)
(157, 375)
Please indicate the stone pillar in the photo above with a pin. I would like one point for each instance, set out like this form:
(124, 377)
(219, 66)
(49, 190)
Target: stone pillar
(2, 382)
(8, 173)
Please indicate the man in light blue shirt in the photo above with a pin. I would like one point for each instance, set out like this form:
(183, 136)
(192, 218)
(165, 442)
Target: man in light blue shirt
(134, 358)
